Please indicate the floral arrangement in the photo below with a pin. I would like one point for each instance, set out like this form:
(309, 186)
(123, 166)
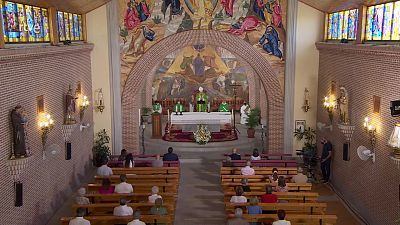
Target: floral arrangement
(202, 135)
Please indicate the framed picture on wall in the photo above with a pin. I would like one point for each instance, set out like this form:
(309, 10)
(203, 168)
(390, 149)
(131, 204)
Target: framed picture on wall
(300, 124)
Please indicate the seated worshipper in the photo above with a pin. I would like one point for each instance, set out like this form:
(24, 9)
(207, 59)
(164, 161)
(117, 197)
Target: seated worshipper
(228, 162)
(123, 209)
(281, 217)
(255, 155)
(129, 163)
(245, 185)
(238, 220)
(106, 187)
(178, 108)
(158, 209)
(254, 209)
(269, 197)
(123, 187)
(224, 107)
(238, 198)
(300, 177)
(247, 170)
(81, 199)
(123, 155)
(281, 187)
(79, 220)
(235, 155)
(136, 219)
(157, 162)
(274, 177)
(170, 156)
(104, 170)
(154, 194)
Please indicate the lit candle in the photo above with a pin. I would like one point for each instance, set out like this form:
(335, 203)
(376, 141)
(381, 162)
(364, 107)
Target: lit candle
(46, 124)
(139, 117)
(48, 116)
(168, 116)
(51, 121)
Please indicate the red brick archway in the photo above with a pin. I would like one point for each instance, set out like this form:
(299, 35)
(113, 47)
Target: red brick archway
(131, 100)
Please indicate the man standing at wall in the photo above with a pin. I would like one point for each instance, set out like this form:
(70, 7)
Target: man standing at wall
(326, 159)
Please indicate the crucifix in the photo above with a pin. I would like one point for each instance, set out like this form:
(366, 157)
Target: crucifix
(234, 87)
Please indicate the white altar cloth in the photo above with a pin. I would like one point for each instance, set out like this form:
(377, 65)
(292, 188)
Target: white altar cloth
(211, 118)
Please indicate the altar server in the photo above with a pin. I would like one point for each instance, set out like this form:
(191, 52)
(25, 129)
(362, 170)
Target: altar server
(244, 113)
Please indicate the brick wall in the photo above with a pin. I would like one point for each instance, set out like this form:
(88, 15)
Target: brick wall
(25, 74)
(371, 188)
(131, 96)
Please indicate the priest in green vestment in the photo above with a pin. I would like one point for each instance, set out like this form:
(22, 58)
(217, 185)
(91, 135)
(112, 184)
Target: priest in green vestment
(178, 108)
(224, 107)
(157, 108)
(201, 101)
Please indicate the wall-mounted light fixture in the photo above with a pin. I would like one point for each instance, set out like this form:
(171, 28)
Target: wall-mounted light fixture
(371, 130)
(306, 105)
(46, 124)
(83, 105)
(329, 105)
(100, 100)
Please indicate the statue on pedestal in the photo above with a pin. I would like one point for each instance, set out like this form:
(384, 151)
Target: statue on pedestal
(19, 122)
(201, 101)
(178, 108)
(224, 107)
(70, 107)
(343, 104)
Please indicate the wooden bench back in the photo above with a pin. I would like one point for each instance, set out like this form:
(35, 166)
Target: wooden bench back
(251, 179)
(142, 163)
(135, 197)
(260, 170)
(146, 170)
(140, 187)
(171, 178)
(103, 220)
(289, 196)
(261, 163)
(261, 186)
(271, 156)
(108, 208)
(300, 208)
(295, 219)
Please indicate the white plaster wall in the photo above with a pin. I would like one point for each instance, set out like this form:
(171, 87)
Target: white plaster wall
(97, 33)
(310, 24)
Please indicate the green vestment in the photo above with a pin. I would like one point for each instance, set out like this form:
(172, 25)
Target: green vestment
(202, 107)
(224, 107)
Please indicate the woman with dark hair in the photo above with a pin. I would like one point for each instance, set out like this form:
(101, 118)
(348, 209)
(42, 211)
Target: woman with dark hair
(123, 155)
(106, 187)
(274, 177)
(129, 163)
(281, 185)
(255, 155)
(238, 198)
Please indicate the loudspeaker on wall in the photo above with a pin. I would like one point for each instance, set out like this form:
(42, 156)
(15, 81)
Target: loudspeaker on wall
(18, 194)
(346, 156)
(68, 148)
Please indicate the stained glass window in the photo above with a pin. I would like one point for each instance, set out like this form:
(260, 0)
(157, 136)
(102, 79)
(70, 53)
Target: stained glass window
(24, 23)
(383, 22)
(342, 25)
(69, 26)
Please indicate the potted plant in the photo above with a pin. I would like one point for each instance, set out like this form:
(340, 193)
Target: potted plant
(146, 111)
(101, 150)
(310, 145)
(252, 121)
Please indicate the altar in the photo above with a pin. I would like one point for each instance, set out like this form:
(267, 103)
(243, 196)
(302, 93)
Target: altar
(188, 121)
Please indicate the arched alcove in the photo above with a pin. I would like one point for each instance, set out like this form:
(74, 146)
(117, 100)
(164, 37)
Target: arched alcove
(132, 101)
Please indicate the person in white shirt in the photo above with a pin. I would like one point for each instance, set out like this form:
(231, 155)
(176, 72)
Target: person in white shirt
(281, 217)
(238, 198)
(123, 209)
(154, 194)
(79, 220)
(123, 187)
(255, 155)
(104, 170)
(300, 177)
(81, 199)
(247, 170)
(136, 219)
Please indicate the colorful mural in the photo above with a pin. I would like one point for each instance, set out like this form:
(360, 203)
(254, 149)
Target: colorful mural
(145, 22)
(182, 72)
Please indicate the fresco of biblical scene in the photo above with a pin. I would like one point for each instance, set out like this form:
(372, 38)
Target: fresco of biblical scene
(145, 22)
(213, 68)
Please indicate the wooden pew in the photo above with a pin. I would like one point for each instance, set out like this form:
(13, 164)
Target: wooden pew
(261, 163)
(142, 163)
(251, 179)
(260, 170)
(108, 208)
(290, 208)
(133, 179)
(272, 156)
(135, 197)
(146, 170)
(141, 187)
(295, 219)
(289, 196)
(261, 186)
(107, 220)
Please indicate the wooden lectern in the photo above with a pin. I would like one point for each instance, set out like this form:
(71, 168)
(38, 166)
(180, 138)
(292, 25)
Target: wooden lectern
(156, 125)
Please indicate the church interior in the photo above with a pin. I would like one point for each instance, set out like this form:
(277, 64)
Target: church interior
(200, 112)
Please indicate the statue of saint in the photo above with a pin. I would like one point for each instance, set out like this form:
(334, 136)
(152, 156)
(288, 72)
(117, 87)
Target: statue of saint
(70, 107)
(201, 101)
(244, 113)
(224, 107)
(178, 108)
(157, 107)
(343, 103)
(20, 145)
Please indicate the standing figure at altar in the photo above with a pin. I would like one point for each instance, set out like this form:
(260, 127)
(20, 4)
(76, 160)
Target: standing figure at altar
(244, 113)
(178, 108)
(224, 107)
(157, 107)
(201, 101)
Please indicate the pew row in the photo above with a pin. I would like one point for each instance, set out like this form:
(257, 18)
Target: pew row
(261, 186)
(261, 163)
(281, 156)
(290, 208)
(107, 220)
(135, 197)
(251, 179)
(141, 187)
(146, 170)
(142, 163)
(134, 179)
(288, 196)
(108, 208)
(295, 219)
(260, 170)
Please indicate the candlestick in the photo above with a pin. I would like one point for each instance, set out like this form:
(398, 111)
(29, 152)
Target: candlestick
(168, 116)
(139, 118)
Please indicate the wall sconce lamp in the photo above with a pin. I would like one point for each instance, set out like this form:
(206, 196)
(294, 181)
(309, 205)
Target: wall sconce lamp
(84, 104)
(329, 105)
(306, 105)
(46, 124)
(100, 101)
(371, 130)
(394, 141)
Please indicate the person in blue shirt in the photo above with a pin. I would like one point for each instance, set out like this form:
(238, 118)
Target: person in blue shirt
(170, 156)
(326, 159)
(254, 209)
